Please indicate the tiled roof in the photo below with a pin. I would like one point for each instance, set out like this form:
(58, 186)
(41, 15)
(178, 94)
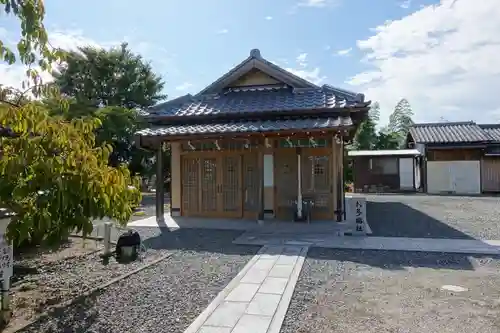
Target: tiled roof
(249, 126)
(493, 130)
(259, 99)
(452, 132)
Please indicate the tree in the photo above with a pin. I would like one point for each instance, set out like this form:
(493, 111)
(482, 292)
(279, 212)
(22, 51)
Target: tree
(387, 140)
(374, 113)
(55, 179)
(366, 135)
(114, 77)
(112, 85)
(400, 120)
(12, 97)
(34, 47)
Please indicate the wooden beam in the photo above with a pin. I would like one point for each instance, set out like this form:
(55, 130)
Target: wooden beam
(160, 185)
(341, 131)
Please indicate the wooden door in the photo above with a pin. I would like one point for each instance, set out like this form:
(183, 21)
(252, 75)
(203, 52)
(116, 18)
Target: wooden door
(286, 182)
(209, 186)
(251, 185)
(190, 185)
(212, 185)
(317, 181)
(230, 186)
(490, 174)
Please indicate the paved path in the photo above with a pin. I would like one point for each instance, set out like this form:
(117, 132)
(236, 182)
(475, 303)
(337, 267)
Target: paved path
(257, 299)
(466, 246)
(176, 222)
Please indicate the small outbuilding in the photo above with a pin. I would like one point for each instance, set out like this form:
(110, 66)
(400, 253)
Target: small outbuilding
(386, 170)
(459, 157)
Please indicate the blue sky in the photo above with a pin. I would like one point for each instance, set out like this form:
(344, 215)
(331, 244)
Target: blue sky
(423, 50)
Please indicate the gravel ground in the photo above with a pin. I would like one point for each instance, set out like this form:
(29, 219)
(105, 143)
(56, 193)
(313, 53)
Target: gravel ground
(166, 297)
(434, 216)
(383, 291)
(42, 281)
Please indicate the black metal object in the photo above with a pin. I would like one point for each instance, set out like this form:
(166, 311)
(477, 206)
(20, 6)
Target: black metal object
(131, 239)
(307, 205)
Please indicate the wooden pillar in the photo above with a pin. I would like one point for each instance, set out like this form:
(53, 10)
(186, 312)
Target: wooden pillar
(333, 172)
(260, 162)
(339, 181)
(160, 184)
(342, 180)
(299, 184)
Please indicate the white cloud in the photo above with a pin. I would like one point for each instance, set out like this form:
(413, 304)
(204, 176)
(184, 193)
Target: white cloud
(303, 70)
(316, 3)
(184, 86)
(313, 75)
(405, 4)
(269, 18)
(14, 75)
(344, 52)
(72, 39)
(222, 31)
(302, 59)
(442, 58)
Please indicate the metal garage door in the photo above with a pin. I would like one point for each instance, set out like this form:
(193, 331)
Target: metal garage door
(461, 177)
(490, 174)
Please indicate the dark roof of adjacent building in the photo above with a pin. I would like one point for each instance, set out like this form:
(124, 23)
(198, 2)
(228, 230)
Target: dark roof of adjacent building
(493, 131)
(252, 99)
(249, 126)
(449, 132)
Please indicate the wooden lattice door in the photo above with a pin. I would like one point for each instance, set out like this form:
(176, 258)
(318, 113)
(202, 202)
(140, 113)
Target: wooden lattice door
(230, 186)
(209, 186)
(190, 186)
(251, 185)
(317, 181)
(286, 182)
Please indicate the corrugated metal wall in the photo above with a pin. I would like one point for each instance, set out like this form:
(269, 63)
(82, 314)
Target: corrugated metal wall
(490, 173)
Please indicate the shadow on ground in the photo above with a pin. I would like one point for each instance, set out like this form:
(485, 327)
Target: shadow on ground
(395, 219)
(87, 314)
(402, 260)
(202, 240)
(198, 240)
(75, 318)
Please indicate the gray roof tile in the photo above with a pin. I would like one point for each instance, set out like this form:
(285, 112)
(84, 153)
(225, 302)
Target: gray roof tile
(450, 132)
(248, 126)
(493, 130)
(259, 99)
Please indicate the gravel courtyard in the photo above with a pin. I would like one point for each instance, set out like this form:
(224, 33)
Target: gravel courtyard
(166, 297)
(382, 291)
(434, 216)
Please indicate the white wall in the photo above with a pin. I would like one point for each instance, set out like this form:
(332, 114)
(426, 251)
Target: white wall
(460, 177)
(406, 173)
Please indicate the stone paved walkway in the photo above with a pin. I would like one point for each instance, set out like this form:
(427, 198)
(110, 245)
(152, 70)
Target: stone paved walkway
(256, 300)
